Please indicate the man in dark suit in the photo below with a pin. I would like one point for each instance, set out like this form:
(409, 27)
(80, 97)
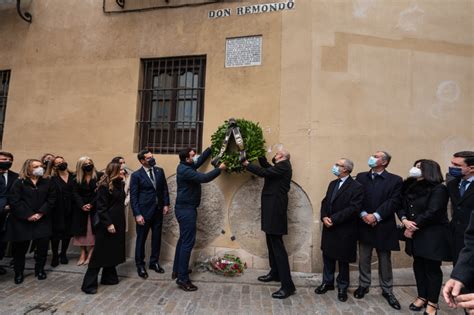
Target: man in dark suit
(377, 225)
(150, 201)
(339, 214)
(462, 276)
(7, 178)
(188, 199)
(461, 192)
(275, 219)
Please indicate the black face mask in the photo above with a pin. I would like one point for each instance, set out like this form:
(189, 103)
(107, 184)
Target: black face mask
(62, 166)
(5, 165)
(88, 168)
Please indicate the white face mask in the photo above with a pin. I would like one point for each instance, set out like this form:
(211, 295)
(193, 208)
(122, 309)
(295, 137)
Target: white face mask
(414, 172)
(196, 158)
(39, 171)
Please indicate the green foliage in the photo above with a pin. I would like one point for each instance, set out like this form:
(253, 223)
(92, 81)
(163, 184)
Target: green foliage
(252, 135)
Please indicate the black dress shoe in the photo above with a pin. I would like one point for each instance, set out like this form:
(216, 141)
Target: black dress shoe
(63, 259)
(283, 293)
(268, 278)
(2, 271)
(55, 261)
(109, 282)
(392, 300)
(157, 268)
(90, 291)
(360, 292)
(19, 277)
(323, 288)
(186, 286)
(342, 295)
(41, 275)
(142, 272)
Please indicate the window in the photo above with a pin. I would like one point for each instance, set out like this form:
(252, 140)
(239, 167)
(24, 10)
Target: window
(172, 102)
(4, 83)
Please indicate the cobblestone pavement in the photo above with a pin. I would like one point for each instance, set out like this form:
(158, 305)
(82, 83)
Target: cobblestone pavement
(60, 294)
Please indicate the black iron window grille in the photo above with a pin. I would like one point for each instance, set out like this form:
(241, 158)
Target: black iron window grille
(172, 104)
(4, 83)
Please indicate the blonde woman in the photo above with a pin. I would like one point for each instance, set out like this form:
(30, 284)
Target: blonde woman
(110, 232)
(32, 200)
(84, 195)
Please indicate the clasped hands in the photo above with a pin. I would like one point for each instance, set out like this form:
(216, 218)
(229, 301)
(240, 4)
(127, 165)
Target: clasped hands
(410, 228)
(35, 217)
(370, 219)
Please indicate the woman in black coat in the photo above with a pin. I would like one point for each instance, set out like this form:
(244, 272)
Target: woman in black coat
(32, 200)
(425, 218)
(110, 232)
(62, 213)
(84, 196)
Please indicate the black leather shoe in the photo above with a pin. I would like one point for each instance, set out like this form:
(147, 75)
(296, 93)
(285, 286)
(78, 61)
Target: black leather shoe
(342, 295)
(109, 282)
(142, 272)
(55, 261)
(63, 259)
(19, 277)
(186, 286)
(267, 278)
(323, 288)
(157, 268)
(2, 271)
(41, 275)
(392, 300)
(90, 291)
(415, 308)
(283, 293)
(360, 292)
(174, 275)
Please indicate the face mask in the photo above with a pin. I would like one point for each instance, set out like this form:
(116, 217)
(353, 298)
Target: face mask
(335, 170)
(455, 171)
(414, 172)
(88, 168)
(62, 166)
(372, 162)
(195, 158)
(274, 161)
(5, 165)
(39, 171)
(151, 162)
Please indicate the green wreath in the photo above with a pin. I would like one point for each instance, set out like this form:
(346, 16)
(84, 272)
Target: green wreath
(254, 143)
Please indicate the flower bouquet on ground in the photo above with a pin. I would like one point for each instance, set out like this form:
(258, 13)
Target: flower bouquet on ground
(228, 265)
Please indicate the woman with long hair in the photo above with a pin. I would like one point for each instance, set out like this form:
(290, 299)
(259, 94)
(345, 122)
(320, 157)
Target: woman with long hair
(84, 194)
(32, 199)
(110, 232)
(62, 215)
(425, 218)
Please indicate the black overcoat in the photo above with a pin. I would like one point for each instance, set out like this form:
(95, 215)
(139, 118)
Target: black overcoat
(382, 195)
(109, 248)
(339, 242)
(83, 193)
(26, 199)
(62, 213)
(426, 204)
(4, 196)
(462, 210)
(274, 201)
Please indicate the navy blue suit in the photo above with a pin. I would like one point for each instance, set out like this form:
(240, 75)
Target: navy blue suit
(148, 199)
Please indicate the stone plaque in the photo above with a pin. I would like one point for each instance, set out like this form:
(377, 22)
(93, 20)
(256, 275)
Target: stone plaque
(243, 51)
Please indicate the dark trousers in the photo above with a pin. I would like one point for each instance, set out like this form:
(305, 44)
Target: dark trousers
(154, 224)
(3, 247)
(109, 277)
(385, 267)
(278, 257)
(429, 278)
(19, 250)
(187, 237)
(64, 246)
(329, 269)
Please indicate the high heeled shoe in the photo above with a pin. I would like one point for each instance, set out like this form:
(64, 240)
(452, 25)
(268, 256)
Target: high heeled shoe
(435, 306)
(413, 307)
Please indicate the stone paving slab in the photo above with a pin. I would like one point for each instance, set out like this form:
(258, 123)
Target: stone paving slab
(60, 294)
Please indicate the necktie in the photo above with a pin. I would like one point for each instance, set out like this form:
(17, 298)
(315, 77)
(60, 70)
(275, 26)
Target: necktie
(2, 184)
(462, 187)
(334, 192)
(150, 171)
